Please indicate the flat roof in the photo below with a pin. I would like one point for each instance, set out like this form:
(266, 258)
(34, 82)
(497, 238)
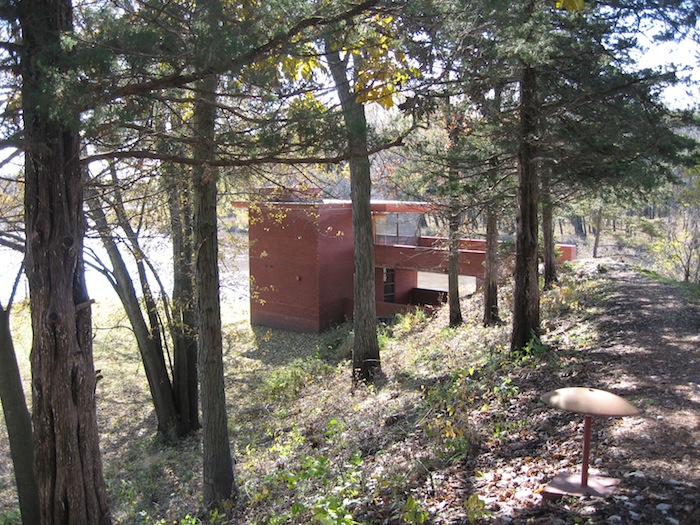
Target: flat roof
(379, 206)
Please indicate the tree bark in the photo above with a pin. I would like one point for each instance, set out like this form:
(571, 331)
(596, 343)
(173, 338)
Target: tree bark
(184, 319)
(19, 424)
(150, 305)
(67, 459)
(365, 355)
(454, 129)
(550, 256)
(526, 300)
(219, 483)
(579, 226)
(455, 307)
(597, 224)
(491, 312)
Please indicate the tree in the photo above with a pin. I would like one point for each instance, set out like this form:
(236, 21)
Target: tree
(218, 463)
(365, 353)
(183, 315)
(677, 249)
(462, 65)
(66, 446)
(18, 420)
(566, 75)
(613, 144)
(491, 309)
(526, 303)
(146, 327)
(219, 481)
(550, 266)
(365, 69)
(455, 211)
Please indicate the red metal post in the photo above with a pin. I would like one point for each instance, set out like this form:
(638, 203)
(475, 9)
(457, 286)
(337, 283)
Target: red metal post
(586, 450)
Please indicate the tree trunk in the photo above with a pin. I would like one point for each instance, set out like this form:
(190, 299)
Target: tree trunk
(365, 354)
(67, 459)
(67, 456)
(550, 256)
(579, 226)
(526, 301)
(597, 223)
(491, 313)
(149, 301)
(453, 269)
(184, 320)
(454, 131)
(151, 348)
(219, 483)
(183, 390)
(19, 424)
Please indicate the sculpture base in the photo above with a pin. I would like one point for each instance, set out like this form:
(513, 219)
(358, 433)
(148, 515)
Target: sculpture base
(569, 484)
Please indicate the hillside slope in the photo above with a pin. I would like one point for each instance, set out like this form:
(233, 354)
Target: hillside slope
(454, 433)
(457, 432)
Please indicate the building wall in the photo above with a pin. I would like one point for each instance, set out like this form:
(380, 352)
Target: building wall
(301, 264)
(420, 258)
(284, 267)
(568, 252)
(404, 283)
(336, 263)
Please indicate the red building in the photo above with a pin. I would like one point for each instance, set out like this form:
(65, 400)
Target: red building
(301, 262)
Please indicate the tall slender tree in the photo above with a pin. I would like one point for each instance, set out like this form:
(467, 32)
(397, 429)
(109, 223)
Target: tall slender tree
(526, 296)
(146, 327)
(18, 420)
(455, 210)
(491, 308)
(365, 353)
(183, 318)
(219, 481)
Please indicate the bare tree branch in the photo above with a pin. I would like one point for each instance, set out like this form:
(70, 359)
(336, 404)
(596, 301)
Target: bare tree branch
(235, 162)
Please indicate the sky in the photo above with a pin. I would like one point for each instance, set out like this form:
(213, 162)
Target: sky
(686, 54)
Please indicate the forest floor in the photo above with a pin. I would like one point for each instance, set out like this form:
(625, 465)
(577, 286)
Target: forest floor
(455, 431)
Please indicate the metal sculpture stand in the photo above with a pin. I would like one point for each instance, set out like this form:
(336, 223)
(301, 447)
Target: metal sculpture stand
(590, 402)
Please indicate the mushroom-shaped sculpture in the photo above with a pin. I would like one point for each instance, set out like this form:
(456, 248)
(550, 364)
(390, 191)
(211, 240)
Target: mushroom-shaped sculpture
(590, 402)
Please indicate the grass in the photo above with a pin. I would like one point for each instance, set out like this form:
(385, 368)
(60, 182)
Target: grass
(691, 291)
(310, 448)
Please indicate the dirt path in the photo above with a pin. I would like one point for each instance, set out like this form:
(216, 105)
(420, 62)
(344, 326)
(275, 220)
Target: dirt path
(652, 356)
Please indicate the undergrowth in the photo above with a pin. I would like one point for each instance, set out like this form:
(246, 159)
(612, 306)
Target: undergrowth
(312, 449)
(690, 290)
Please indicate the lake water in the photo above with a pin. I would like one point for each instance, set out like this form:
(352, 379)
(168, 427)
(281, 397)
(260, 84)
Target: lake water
(234, 273)
(233, 267)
